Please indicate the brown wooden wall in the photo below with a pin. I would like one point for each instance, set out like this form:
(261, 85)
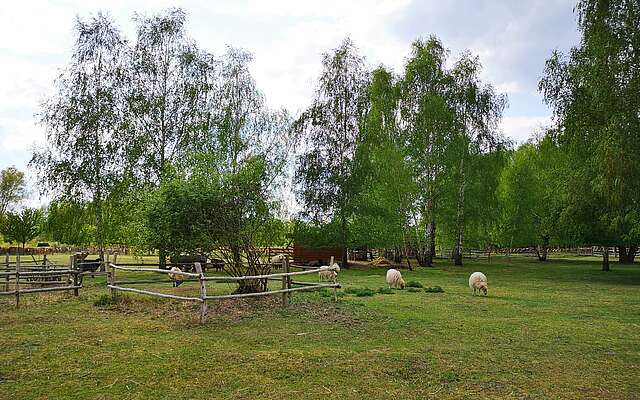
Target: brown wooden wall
(305, 255)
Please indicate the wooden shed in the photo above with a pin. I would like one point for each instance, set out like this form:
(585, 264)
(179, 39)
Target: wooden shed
(305, 255)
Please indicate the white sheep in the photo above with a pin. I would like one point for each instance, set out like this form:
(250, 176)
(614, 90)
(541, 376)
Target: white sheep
(394, 279)
(176, 278)
(277, 259)
(329, 275)
(478, 281)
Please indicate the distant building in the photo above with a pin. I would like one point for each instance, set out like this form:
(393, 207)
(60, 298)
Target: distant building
(305, 255)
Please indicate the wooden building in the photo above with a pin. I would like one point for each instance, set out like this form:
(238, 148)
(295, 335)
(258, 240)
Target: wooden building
(305, 255)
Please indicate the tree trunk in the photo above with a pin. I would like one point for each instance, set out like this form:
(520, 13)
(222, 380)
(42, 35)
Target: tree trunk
(627, 255)
(162, 258)
(345, 263)
(543, 249)
(397, 255)
(605, 258)
(457, 256)
(631, 254)
(432, 245)
(429, 233)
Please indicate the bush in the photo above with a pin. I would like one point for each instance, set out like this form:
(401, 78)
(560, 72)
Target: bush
(435, 289)
(413, 289)
(360, 292)
(384, 290)
(414, 284)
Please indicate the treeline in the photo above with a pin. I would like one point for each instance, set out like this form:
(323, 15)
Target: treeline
(158, 143)
(416, 160)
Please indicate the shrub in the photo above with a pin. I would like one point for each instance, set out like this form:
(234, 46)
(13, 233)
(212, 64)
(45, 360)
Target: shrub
(384, 290)
(413, 289)
(435, 289)
(414, 284)
(360, 292)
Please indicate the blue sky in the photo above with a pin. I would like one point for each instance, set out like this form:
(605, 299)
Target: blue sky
(287, 38)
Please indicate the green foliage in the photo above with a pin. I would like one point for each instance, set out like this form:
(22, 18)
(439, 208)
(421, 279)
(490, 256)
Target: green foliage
(434, 289)
(85, 120)
(414, 284)
(23, 226)
(385, 290)
(530, 195)
(360, 291)
(331, 128)
(69, 222)
(594, 95)
(386, 188)
(12, 189)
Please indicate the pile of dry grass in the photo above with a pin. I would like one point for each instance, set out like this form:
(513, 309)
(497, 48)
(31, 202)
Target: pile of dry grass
(380, 262)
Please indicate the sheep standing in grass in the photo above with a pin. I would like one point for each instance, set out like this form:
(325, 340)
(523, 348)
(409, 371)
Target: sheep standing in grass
(394, 279)
(176, 278)
(329, 275)
(478, 281)
(277, 259)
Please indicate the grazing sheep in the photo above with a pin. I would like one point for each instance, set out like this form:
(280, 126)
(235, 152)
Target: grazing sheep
(277, 259)
(329, 275)
(394, 279)
(176, 278)
(478, 281)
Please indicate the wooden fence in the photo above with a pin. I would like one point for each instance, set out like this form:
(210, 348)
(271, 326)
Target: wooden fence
(285, 277)
(36, 276)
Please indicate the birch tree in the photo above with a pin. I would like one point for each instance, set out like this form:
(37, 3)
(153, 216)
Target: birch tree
(427, 121)
(478, 112)
(330, 128)
(84, 119)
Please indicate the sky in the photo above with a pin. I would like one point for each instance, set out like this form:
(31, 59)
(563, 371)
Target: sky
(287, 38)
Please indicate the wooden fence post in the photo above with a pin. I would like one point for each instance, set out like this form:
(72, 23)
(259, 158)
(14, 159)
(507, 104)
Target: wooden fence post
(286, 283)
(6, 260)
(111, 278)
(203, 292)
(18, 280)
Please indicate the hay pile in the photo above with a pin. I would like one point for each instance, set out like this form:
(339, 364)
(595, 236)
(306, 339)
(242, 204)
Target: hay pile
(380, 262)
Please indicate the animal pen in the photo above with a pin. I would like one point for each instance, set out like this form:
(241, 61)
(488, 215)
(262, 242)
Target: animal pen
(288, 284)
(36, 276)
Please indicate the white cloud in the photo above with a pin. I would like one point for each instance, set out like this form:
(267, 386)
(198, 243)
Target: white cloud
(509, 87)
(522, 128)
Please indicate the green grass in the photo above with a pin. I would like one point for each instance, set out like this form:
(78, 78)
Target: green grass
(559, 330)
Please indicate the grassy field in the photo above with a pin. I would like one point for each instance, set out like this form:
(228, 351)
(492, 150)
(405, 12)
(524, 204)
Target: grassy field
(559, 330)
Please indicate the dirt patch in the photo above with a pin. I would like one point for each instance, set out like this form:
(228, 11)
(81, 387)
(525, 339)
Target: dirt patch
(187, 314)
(331, 312)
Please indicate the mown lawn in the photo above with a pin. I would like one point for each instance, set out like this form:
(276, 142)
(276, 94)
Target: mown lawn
(560, 330)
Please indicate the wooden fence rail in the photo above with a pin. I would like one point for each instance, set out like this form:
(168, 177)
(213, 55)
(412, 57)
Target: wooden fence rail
(42, 276)
(285, 277)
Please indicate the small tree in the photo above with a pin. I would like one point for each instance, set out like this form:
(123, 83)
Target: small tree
(12, 188)
(23, 226)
